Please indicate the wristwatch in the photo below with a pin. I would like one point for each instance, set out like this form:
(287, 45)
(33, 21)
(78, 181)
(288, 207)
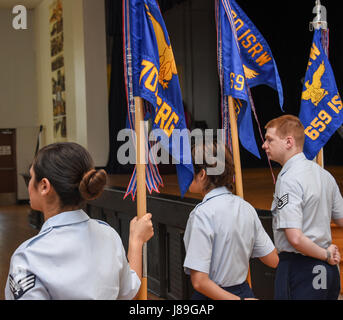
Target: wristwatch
(328, 256)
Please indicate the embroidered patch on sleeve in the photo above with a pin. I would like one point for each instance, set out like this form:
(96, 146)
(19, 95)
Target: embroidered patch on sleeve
(19, 287)
(282, 201)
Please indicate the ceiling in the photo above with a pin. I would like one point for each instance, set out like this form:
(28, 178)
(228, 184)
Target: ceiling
(29, 4)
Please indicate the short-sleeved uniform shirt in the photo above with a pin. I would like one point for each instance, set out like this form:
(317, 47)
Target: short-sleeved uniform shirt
(72, 257)
(307, 198)
(222, 233)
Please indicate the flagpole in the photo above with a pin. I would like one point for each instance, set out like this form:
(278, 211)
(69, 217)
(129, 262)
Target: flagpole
(320, 158)
(236, 158)
(235, 148)
(319, 22)
(141, 188)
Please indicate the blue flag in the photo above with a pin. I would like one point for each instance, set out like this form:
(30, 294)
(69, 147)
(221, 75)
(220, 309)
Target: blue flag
(152, 75)
(321, 105)
(258, 62)
(244, 60)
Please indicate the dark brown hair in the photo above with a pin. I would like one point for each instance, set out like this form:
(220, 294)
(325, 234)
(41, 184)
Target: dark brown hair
(288, 125)
(70, 170)
(225, 179)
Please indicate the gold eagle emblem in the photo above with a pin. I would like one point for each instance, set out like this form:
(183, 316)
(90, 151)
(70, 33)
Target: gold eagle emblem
(167, 61)
(314, 91)
(249, 73)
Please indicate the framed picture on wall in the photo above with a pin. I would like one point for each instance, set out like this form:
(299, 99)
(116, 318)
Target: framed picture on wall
(60, 129)
(57, 71)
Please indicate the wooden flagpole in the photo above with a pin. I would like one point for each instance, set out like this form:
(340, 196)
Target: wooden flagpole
(235, 148)
(320, 158)
(319, 22)
(141, 188)
(236, 158)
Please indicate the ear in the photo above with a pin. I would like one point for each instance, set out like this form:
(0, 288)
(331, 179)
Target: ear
(202, 175)
(44, 186)
(290, 142)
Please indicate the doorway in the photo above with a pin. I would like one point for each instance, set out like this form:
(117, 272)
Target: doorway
(8, 167)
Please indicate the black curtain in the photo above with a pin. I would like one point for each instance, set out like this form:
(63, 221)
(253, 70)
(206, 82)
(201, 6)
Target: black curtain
(168, 4)
(117, 97)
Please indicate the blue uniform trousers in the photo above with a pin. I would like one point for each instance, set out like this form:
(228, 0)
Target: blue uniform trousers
(242, 290)
(304, 278)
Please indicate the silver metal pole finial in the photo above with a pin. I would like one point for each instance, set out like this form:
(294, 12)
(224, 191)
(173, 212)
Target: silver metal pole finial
(319, 21)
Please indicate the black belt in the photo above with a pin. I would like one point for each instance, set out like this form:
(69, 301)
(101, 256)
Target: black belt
(296, 256)
(289, 255)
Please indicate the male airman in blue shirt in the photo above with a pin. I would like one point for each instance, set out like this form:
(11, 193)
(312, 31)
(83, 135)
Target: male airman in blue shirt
(306, 199)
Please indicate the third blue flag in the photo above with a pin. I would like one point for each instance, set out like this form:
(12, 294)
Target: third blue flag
(321, 105)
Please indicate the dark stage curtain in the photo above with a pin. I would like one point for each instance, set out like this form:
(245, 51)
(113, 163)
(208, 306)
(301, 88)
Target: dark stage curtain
(117, 107)
(168, 4)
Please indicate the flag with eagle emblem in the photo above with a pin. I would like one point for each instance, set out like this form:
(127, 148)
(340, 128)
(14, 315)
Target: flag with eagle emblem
(321, 105)
(150, 73)
(244, 61)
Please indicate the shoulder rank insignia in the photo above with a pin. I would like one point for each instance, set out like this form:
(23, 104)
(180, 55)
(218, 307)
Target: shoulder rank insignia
(21, 286)
(281, 202)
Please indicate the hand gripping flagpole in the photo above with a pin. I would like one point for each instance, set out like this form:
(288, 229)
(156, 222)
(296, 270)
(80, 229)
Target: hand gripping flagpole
(319, 22)
(141, 188)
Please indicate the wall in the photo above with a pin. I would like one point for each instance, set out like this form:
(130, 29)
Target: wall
(96, 80)
(43, 71)
(18, 102)
(85, 75)
(25, 81)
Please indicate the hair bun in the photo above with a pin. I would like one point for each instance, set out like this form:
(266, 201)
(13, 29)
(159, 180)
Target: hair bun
(92, 184)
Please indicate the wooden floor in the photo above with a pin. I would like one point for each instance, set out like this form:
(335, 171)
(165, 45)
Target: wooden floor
(14, 229)
(258, 190)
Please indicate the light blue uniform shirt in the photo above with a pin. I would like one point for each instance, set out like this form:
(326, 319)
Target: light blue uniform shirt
(222, 233)
(72, 257)
(307, 198)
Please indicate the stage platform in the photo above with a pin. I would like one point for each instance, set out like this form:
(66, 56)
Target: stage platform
(258, 185)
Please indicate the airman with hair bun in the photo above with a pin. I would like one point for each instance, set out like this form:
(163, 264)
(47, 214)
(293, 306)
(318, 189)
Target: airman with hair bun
(73, 256)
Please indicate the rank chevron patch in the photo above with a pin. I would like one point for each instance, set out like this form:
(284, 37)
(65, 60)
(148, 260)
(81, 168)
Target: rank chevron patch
(18, 288)
(282, 201)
